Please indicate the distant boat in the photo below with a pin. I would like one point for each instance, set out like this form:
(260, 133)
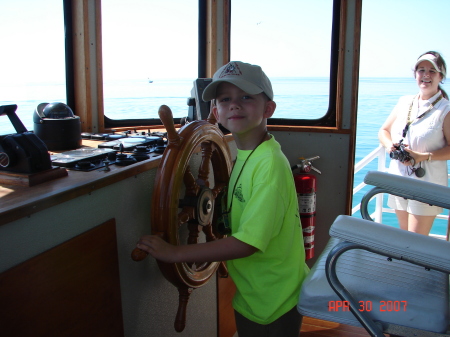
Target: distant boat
(150, 81)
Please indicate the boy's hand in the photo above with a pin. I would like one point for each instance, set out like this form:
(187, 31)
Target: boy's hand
(158, 248)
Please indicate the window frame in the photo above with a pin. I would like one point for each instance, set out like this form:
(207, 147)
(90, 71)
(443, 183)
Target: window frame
(329, 119)
(69, 52)
(92, 113)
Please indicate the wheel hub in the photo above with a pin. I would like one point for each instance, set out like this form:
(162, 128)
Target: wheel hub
(205, 206)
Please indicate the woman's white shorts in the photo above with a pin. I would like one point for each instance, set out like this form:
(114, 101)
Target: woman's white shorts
(413, 206)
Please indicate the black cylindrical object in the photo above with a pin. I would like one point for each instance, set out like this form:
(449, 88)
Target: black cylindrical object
(57, 126)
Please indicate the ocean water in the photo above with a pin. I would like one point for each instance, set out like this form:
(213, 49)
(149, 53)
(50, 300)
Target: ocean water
(295, 98)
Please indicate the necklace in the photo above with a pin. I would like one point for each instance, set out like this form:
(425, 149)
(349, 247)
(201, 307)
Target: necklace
(223, 223)
(409, 122)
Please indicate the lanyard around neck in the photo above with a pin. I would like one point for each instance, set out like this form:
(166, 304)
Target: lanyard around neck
(409, 121)
(242, 168)
(223, 222)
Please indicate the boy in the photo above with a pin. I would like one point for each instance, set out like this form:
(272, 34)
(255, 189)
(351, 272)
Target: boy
(264, 253)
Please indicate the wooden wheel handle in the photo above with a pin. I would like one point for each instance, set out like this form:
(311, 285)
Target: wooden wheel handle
(138, 254)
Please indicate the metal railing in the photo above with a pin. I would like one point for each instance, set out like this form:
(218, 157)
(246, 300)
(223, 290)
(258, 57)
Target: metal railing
(379, 154)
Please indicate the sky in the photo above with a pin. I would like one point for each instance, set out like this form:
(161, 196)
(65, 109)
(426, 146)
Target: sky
(396, 32)
(157, 38)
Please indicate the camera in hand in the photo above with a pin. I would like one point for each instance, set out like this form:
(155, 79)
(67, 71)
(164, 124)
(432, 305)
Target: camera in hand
(400, 153)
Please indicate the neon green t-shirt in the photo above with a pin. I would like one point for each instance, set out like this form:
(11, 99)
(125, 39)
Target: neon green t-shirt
(264, 214)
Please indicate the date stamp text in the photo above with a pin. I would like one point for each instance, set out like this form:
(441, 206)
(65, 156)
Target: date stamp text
(389, 306)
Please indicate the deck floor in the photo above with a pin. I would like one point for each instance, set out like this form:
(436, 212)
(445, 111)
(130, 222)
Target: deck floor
(312, 327)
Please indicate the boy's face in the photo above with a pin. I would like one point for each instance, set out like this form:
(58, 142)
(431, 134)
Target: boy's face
(241, 113)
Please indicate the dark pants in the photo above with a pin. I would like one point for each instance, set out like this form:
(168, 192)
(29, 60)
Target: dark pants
(287, 325)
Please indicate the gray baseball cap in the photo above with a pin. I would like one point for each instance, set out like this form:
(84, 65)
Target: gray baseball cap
(248, 77)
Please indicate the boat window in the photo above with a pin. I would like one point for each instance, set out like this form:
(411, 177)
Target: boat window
(291, 41)
(32, 63)
(150, 58)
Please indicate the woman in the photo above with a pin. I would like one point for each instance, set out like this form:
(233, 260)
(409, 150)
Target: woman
(418, 131)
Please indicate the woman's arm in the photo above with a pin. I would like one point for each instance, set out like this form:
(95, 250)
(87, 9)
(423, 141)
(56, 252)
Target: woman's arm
(228, 248)
(384, 134)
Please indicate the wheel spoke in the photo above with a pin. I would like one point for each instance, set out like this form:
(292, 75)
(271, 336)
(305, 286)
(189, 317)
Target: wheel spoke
(185, 215)
(194, 230)
(217, 189)
(203, 171)
(209, 233)
(192, 187)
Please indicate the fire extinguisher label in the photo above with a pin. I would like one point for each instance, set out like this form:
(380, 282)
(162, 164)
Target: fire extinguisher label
(308, 230)
(308, 239)
(306, 202)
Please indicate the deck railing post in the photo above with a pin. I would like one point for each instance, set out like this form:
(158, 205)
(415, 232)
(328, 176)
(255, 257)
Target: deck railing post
(380, 197)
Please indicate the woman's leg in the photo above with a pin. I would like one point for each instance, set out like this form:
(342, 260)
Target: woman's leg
(402, 217)
(420, 223)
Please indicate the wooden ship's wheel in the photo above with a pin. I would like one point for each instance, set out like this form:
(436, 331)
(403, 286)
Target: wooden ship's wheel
(189, 218)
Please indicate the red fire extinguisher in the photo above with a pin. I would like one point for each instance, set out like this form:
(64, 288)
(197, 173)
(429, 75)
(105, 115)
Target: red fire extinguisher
(305, 184)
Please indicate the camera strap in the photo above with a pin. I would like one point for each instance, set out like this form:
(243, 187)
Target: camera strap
(409, 121)
(418, 171)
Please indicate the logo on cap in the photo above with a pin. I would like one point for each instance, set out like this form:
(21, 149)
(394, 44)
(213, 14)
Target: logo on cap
(231, 70)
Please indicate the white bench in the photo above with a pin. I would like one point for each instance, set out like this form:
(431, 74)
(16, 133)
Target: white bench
(380, 277)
